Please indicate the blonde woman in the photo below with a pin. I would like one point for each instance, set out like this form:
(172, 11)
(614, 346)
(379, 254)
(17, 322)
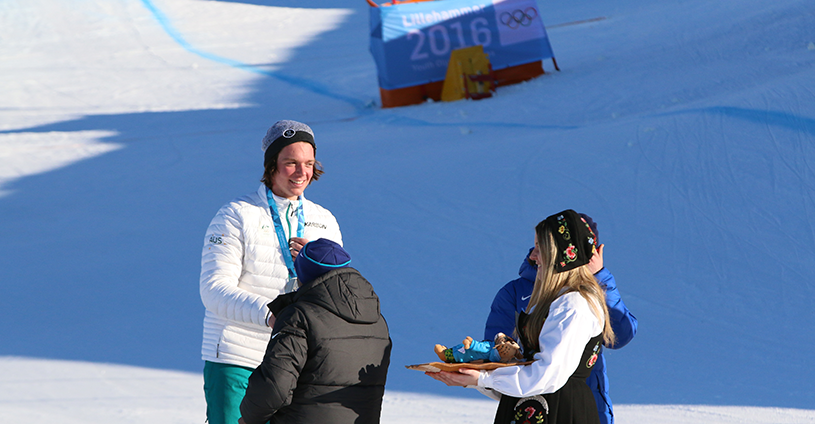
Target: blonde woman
(562, 330)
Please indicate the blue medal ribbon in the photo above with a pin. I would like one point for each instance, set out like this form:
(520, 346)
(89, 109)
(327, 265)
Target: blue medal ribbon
(281, 235)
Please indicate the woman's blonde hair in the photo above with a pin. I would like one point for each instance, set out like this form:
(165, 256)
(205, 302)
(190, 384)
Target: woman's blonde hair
(550, 285)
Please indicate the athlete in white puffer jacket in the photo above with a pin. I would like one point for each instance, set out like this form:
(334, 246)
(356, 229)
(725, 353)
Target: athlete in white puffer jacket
(244, 268)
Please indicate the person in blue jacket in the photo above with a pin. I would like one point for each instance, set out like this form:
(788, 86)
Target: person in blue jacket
(513, 299)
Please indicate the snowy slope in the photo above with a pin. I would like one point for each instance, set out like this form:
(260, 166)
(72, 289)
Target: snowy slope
(83, 392)
(685, 128)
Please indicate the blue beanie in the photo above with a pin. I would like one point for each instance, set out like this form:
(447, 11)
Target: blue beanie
(318, 257)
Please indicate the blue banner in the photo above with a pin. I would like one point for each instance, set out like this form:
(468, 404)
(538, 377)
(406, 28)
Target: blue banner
(411, 43)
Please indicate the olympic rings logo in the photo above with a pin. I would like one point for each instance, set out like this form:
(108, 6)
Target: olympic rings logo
(519, 17)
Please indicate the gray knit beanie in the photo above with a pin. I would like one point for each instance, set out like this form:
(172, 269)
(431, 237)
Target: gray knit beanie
(282, 134)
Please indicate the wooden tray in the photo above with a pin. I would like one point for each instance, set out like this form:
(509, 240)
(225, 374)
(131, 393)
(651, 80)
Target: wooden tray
(444, 366)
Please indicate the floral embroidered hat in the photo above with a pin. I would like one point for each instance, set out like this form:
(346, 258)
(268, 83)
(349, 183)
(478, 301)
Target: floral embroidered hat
(574, 239)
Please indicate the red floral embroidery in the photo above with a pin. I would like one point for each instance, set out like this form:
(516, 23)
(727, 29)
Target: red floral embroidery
(571, 252)
(530, 411)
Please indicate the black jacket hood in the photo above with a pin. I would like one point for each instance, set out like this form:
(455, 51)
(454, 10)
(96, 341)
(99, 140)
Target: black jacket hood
(343, 292)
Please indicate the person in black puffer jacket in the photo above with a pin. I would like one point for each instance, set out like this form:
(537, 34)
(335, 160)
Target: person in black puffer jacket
(327, 360)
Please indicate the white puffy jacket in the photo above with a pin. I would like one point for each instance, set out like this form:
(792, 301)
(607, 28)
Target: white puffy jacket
(242, 270)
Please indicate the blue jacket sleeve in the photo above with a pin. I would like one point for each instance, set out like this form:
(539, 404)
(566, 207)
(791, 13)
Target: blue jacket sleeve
(623, 322)
(502, 313)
